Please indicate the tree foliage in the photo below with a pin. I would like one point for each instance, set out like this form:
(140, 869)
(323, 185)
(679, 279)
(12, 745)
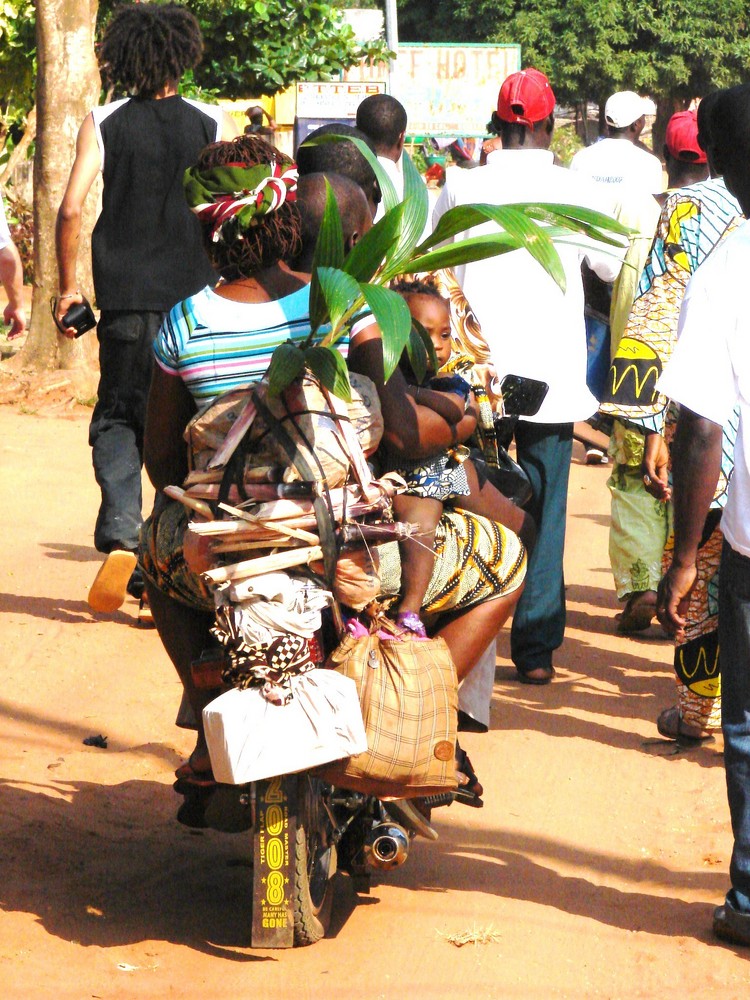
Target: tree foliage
(255, 47)
(17, 64)
(675, 49)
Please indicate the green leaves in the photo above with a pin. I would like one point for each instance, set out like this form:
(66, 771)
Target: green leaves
(394, 319)
(325, 363)
(343, 286)
(340, 292)
(421, 351)
(369, 253)
(262, 46)
(329, 367)
(416, 205)
(287, 363)
(329, 252)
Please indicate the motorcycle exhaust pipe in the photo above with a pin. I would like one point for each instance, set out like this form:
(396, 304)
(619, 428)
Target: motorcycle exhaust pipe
(386, 846)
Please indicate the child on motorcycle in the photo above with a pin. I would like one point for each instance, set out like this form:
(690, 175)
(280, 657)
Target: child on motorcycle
(448, 476)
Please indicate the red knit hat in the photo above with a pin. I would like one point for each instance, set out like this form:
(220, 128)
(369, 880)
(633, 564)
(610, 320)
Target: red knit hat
(526, 98)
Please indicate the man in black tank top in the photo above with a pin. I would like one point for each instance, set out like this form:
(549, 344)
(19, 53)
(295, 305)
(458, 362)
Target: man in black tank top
(146, 249)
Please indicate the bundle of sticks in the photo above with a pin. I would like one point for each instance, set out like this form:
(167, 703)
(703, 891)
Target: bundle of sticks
(283, 531)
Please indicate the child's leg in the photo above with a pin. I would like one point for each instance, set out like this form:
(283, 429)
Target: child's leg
(417, 552)
(488, 501)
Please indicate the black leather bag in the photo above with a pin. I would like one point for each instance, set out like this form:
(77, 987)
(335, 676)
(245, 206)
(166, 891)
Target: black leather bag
(509, 478)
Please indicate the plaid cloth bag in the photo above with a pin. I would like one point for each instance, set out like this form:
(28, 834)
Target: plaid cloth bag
(409, 697)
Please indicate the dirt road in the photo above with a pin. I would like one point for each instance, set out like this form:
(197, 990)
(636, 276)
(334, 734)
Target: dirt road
(592, 870)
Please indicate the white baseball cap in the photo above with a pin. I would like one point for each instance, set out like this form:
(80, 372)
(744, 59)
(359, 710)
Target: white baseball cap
(626, 107)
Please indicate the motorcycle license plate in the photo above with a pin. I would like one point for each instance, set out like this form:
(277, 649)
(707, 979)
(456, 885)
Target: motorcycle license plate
(273, 856)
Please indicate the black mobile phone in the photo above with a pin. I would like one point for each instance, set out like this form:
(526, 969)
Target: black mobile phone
(522, 396)
(80, 317)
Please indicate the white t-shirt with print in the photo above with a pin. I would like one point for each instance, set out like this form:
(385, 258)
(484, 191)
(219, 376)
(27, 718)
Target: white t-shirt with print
(622, 163)
(709, 371)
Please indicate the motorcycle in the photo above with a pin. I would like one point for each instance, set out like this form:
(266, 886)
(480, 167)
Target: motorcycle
(305, 830)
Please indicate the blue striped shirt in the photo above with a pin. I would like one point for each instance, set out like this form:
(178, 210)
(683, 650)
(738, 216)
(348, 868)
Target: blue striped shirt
(215, 344)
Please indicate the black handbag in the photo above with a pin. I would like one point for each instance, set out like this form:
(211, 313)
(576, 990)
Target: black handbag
(508, 477)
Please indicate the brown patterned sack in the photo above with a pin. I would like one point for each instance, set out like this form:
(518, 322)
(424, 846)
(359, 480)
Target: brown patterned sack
(409, 696)
(306, 412)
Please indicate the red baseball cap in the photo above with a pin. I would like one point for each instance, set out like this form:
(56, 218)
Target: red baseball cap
(526, 98)
(682, 137)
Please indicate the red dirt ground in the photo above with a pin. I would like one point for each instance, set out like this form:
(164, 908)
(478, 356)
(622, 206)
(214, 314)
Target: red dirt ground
(593, 867)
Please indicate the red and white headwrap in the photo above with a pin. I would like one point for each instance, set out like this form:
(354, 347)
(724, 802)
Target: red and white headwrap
(235, 191)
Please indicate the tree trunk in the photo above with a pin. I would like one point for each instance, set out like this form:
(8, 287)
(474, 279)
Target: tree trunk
(68, 86)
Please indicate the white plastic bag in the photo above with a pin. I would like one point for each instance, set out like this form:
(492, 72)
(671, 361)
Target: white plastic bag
(250, 739)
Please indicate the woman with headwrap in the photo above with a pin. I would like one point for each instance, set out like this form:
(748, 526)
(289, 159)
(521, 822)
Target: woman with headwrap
(260, 239)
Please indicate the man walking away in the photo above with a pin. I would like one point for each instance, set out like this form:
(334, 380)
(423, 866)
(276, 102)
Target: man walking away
(709, 374)
(534, 329)
(620, 157)
(146, 248)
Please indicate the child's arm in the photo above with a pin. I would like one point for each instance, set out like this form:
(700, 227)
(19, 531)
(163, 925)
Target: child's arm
(451, 406)
(468, 423)
(447, 395)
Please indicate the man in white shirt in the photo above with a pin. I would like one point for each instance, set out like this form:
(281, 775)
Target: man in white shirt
(534, 329)
(709, 374)
(383, 118)
(620, 158)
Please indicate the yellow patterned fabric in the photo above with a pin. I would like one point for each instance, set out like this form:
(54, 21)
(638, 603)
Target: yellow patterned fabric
(696, 660)
(475, 560)
(651, 331)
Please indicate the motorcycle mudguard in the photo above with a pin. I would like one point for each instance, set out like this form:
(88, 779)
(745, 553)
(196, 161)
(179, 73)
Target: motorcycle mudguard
(273, 862)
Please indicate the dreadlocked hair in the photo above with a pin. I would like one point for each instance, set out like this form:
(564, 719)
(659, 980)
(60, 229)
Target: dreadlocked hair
(426, 285)
(277, 235)
(147, 45)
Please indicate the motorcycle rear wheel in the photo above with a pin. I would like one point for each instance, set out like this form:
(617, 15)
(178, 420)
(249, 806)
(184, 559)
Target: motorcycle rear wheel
(314, 863)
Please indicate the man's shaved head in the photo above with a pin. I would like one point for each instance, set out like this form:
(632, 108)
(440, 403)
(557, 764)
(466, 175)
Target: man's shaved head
(341, 158)
(383, 118)
(355, 213)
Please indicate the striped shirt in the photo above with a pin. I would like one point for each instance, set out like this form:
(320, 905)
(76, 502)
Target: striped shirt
(215, 344)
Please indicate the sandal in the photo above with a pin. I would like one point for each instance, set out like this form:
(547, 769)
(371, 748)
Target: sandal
(469, 789)
(536, 675)
(672, 726)
(638, 613)
(110, 585)
(190, 772)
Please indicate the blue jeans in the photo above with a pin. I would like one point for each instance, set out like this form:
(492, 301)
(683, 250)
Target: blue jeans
(597, 355)
(126, 360)
(734, 659)
(544, 452)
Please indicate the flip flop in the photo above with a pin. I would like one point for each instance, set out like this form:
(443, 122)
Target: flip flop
(470, 792)
(110, 584)
(671, 726)
(537, 675)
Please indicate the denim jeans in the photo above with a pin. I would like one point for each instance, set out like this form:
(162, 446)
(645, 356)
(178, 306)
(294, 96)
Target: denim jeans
(734, 659)
(126, 360)
(544, 452)
(597, 355)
